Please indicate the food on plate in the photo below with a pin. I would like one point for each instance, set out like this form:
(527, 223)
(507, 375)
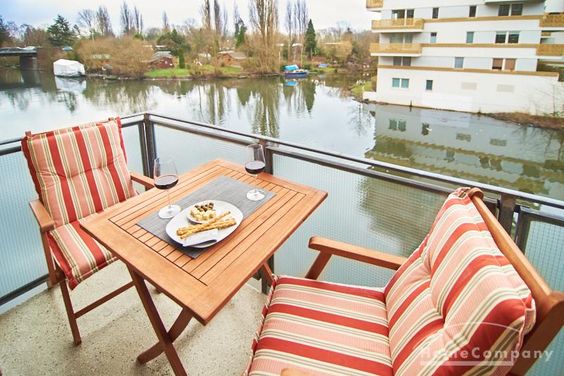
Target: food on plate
(203, 212)
(219, 222)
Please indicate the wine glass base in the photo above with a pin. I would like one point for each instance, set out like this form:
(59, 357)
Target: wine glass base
(169, 211)
(255, 195)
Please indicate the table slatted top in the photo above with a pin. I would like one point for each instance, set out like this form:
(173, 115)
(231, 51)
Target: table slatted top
(205, 284)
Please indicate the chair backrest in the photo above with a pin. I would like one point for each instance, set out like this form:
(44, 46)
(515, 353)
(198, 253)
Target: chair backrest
(458, 303)
(80, 170)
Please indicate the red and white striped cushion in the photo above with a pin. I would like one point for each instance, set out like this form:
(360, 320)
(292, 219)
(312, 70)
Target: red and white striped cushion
(77, 253)
(323, 329)
(456, 298)
(79, 171)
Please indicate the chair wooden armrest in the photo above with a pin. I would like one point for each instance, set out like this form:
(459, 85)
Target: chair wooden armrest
(328, 247)
(145, 181)
(42, 216)
(293, 372)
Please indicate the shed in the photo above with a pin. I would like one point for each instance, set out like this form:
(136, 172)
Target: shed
(161, 60)
(231, 58)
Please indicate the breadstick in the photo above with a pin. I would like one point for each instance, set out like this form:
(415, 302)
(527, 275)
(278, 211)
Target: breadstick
(217, 225)
(182, 230)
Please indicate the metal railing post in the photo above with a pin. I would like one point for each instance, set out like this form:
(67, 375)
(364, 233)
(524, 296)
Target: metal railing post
(507, 205)
(522, 231)
(150, 142)
(141, 126)
(269, 168)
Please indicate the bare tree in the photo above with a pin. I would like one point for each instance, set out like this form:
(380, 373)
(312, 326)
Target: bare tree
(264, 19)
(301, 18)
(103, 21)
(166, 24)
(126, 19)
(206, 14)
(137, 20)
(224, 22)
(290, 26)
(217, 16)
(87, 21)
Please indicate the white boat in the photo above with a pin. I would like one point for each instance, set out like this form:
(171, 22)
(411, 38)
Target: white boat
(68, 68)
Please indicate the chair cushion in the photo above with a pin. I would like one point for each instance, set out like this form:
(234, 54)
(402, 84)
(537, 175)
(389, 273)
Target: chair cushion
(455, 299)
(80, 170)
(323, 329)
(77, 253)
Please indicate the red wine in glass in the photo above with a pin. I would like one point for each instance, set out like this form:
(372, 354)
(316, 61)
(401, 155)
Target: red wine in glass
(166, 177)
(254, 167)
(166, 181)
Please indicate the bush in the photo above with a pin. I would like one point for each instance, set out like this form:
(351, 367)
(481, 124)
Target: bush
(181, 61)
(127, 56)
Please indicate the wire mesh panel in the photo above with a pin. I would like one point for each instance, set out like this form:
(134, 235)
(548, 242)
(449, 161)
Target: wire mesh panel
(21, 254)
(364, 211)
(190, 150)
(544, 249)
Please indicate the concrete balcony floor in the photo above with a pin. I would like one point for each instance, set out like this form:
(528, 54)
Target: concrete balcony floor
(35, 336)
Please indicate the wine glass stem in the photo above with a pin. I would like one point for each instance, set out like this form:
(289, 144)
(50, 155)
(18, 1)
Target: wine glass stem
(168, 198)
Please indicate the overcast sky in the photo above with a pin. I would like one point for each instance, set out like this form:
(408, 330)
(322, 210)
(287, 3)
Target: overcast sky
(324, 13)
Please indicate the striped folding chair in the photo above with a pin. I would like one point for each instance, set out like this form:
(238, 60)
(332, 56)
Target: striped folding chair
(77, 172)
(466, 301)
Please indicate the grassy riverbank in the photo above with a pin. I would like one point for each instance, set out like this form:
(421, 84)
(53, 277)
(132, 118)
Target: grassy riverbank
(194, 72)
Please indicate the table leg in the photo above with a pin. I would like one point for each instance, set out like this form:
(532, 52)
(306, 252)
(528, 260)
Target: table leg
(165, 340)
(266, 273)
(175, 330)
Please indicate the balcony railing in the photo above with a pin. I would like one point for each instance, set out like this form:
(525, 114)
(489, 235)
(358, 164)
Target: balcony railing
(550, 50)
(374, 4)
(399, 24)
(552, 20)
(395, 48)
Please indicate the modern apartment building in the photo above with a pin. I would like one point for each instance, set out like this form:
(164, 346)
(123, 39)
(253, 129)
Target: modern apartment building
(469, 55)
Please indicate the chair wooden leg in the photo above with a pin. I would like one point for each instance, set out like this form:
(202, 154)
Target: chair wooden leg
(70, 313)
(52, 280)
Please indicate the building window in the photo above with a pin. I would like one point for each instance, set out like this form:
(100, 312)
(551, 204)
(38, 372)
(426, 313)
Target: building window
(469, 37)
(409, 13)
(433, 38)
(402, 125)
(497, 64)
(435, 12)
(498, 142)
(510, 64)
(405, 83)
(396, 82)
(472, 11)
(503, 10)
(464, 137)
(459, 62)
(513, 37)
(425, 129)
(398, 14)
(429, 85)
(500, 37)
(400, 83)
(393, 125)
(516, 9)
(402, 61)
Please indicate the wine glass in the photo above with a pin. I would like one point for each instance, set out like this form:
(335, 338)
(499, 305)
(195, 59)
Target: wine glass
(254, 166)
(166, 177)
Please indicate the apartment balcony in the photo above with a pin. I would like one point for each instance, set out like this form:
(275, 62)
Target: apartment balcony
(556, 50)
(552, 20)
(394, 207)
(406, 25)
(395, 49)
(374, 4)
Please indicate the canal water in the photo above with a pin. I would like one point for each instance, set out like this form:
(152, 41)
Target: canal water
(315, 112)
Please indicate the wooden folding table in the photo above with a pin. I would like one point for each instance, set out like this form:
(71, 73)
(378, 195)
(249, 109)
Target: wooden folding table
(201, 286)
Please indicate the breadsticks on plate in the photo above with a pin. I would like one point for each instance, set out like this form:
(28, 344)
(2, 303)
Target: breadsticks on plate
(215, 223)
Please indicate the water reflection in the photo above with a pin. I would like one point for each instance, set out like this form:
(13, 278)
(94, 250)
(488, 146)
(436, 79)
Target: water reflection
(317, 112)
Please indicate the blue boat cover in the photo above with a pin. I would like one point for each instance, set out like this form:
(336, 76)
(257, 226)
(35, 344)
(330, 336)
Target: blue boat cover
(289, 68)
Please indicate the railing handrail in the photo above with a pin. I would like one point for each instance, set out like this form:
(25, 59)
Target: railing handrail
(165, 120)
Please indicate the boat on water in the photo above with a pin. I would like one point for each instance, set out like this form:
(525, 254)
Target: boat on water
(68, 68)
(293, 71)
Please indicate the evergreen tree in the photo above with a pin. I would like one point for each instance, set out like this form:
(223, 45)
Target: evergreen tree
(310, 41)
(60, 33)
(240, 30)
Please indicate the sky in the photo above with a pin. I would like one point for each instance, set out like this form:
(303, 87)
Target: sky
(324, 13)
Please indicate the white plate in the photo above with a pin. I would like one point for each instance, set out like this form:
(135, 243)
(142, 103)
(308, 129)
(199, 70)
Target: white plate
(181, 220)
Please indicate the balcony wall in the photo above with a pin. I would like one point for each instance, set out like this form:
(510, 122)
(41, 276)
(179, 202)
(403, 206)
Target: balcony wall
(374, 4)
(550, 50)
(395, 49)
(552, 20)
(402, 24)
